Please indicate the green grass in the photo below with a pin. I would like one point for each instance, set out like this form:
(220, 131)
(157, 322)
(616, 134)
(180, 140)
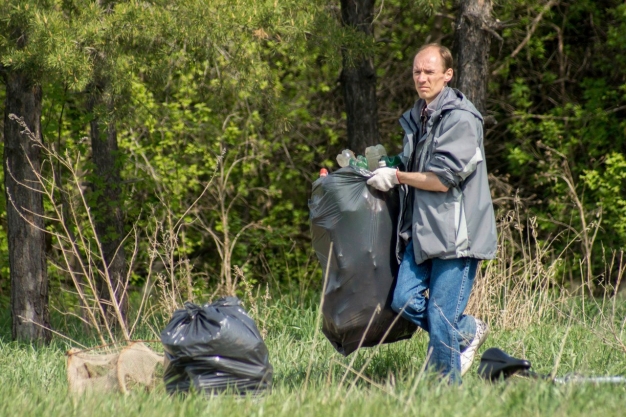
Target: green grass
(32, 380)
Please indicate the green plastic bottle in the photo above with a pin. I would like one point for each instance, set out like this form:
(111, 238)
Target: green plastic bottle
(391, 161)
(359, 162)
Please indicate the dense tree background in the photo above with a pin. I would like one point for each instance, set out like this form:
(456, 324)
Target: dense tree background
(224, 112)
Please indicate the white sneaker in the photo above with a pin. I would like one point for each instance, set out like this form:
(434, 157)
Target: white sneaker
(467, 355)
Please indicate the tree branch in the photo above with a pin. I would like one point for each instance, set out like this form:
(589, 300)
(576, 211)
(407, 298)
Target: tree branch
(529, 34)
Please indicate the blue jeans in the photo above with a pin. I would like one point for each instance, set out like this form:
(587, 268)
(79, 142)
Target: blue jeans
(449, 283)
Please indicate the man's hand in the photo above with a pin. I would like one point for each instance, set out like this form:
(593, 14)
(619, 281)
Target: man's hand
(384, 179)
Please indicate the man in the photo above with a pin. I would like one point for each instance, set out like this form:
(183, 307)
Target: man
(446, 222)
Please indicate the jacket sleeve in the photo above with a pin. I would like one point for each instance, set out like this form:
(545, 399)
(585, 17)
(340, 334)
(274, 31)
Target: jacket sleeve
(456, 148)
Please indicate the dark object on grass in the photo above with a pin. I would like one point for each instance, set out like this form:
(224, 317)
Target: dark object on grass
(495, 365)
(214, 348)
(361, 223)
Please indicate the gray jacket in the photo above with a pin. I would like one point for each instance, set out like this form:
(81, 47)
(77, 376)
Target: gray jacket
(461, 221)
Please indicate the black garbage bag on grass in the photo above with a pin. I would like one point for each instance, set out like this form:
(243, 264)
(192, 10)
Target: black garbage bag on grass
(215, 347)
(361, 222)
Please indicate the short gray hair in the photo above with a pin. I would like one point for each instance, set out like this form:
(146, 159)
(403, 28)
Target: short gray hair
(446, 55)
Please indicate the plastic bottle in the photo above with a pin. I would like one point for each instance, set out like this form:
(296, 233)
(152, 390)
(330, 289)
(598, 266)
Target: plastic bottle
(344, 158)
(323, 172)
(359, 162)
(373, 155)
(391, 161)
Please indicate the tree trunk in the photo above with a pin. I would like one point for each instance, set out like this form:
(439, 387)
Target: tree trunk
(108, 216)
(472, 43)
(26, 239)
(358, 80)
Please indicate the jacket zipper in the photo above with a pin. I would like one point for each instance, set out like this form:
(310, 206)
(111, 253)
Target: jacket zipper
(406, 187)
(403, 205)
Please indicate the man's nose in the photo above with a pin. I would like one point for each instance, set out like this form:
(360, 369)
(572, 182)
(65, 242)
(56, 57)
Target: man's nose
(421, 78)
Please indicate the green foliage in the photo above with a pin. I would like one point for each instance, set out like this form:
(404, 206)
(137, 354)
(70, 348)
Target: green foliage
(200, 88)
(561, 101)
(607, 189)
(37, 37)
(252, 87)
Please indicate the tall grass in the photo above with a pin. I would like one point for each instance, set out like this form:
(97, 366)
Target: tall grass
(520, 286)
(33, 379)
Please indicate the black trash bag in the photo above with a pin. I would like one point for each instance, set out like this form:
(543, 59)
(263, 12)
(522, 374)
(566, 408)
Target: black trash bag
(361, 222)
(215, 347)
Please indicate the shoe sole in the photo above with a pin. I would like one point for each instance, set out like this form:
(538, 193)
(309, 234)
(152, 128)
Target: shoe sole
(478, 345)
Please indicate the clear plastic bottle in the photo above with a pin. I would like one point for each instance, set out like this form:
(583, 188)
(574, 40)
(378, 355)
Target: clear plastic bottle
(373, 155)
(343, 159)
(381, 150)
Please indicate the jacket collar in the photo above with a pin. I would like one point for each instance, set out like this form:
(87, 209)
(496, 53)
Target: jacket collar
(448, 99)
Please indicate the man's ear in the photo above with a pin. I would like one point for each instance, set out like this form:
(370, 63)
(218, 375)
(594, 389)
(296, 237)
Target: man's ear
(447, 75)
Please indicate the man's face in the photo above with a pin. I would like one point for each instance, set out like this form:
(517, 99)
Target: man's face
(429, 75)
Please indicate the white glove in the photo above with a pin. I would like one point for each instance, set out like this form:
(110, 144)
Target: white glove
(384, 179)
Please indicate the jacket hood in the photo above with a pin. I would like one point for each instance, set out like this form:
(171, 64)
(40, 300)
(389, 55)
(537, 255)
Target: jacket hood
(454, 99)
